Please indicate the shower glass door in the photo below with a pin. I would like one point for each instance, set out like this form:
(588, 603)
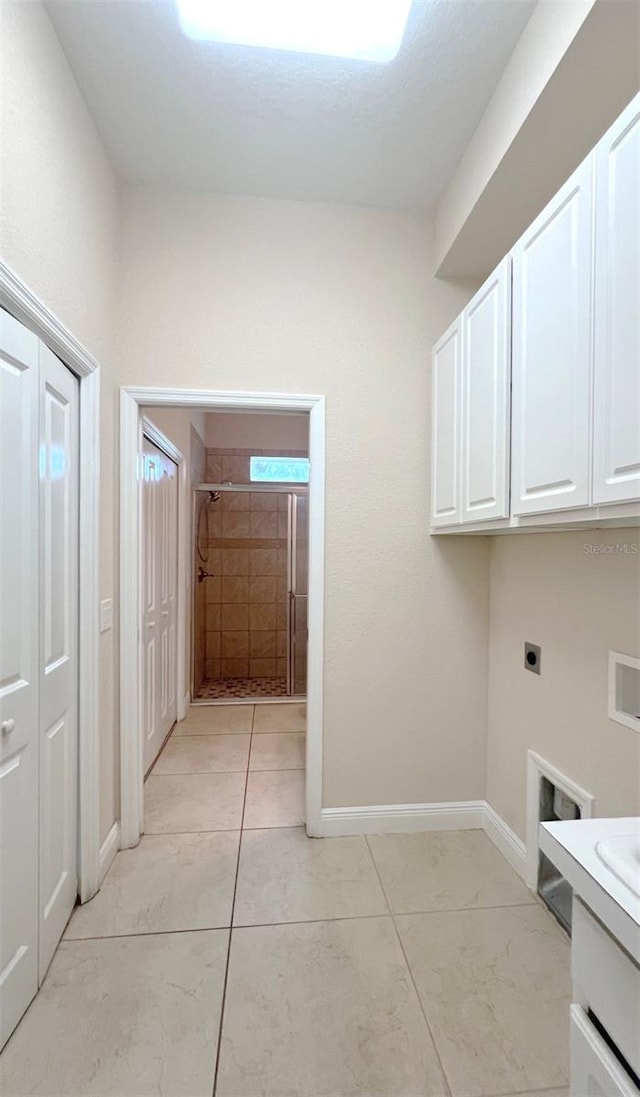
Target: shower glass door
(298, 592)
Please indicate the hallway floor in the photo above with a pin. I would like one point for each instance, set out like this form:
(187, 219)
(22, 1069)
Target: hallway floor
(228, 954)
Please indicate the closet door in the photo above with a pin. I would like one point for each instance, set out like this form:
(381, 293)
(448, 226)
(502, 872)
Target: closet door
(445, 446)
(486, 392)
(616, 458)
(159, 587)
(58, 734)
(552, 353)
(18, 671)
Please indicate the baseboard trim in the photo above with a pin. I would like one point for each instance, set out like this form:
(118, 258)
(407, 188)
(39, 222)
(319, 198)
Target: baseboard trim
(108, 850)
(402, 818)
(505, 840)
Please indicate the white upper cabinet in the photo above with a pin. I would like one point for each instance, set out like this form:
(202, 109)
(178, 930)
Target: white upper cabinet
(446, 367)
(616, 456)
(552, 353)
(486, 367)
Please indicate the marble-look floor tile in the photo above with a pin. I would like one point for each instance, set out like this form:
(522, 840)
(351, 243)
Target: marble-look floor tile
(445, 870)
(284, 876)
(275, 799)
(280, 718)
(496, 988)
(193, 802)
(204, 754)
(168, 882)
(216, 720)
(278, 750)
(123, 1017)
(321, 1009)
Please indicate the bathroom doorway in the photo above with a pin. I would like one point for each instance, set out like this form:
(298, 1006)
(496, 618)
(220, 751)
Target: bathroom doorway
(250, 592)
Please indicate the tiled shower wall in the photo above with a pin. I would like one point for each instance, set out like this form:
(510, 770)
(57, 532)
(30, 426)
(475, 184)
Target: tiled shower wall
(246, 615)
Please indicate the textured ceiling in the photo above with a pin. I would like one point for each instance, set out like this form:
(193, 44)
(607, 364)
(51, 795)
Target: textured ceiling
(178, 113)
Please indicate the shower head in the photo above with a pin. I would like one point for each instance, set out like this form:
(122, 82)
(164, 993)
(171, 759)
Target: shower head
(214, 496)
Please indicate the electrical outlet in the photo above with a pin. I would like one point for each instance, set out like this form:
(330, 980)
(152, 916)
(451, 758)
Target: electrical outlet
(532, 657)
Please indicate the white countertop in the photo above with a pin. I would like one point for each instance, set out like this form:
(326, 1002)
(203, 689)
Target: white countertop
(572, 848)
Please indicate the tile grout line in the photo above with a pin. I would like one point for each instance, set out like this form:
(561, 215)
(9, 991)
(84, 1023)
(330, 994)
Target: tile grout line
(223, 1000)
(408, 966)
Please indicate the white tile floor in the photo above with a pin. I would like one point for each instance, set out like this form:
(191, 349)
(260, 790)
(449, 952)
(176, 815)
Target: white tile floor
(230, 955)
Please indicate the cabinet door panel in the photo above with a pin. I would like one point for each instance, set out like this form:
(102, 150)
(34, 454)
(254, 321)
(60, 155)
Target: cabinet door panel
(552, 353)
(616, 460)
(486, 398)
(445, 496)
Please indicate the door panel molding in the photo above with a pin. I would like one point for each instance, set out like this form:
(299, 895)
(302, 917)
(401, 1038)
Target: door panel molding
(131, 400)
(28, 309)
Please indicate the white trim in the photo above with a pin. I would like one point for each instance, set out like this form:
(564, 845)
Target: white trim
(505, 840)
(131, 399)
(18, 299)
(108, 850)
(538, 767)
(402, 818)
(183, 642)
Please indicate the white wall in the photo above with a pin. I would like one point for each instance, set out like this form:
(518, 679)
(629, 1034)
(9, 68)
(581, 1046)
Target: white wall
(257, 431)
(577, 602)
(58, 223)
(546, 114)
(260, 295)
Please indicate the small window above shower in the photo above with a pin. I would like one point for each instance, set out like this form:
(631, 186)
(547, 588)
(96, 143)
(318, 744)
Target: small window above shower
(279, 470)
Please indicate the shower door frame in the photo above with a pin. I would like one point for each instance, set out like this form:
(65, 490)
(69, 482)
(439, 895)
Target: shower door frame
(271, 488)
(132, 399)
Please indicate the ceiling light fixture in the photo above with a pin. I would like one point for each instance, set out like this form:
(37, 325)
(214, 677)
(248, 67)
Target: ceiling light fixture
(363, 30)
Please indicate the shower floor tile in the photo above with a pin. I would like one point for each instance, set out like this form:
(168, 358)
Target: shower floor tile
(242, 687)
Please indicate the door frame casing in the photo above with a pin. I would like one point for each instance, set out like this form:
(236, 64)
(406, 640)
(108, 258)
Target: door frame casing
(28, 309)
(131, 400)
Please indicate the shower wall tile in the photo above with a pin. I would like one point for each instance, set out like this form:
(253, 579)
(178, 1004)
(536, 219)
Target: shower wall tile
(262, 645)
(232, 501)
(236, 523)
(262, 668)
(214, 617)
(235, 668)
(235, 588)
(281, 644)
(264, 562)
(281, 614)
(213, 587)
(264, 523)
(213, 645)
(235, 615)
(213, 668)
(235, 562)
(264, 501)
(213, 467)
(262, 617)
(262, 588)
(235, 644)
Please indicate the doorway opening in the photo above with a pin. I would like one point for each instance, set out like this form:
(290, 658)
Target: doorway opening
(250, 571)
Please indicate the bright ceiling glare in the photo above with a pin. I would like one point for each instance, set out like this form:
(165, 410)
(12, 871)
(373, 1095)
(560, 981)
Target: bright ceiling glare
(362, 30)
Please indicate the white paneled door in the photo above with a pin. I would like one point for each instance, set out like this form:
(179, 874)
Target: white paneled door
(486, 394)
(38, 661)
(18, 671)
(551, 353)
(616, 451)
(159, 598)
(58, 662)
(445, 444)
